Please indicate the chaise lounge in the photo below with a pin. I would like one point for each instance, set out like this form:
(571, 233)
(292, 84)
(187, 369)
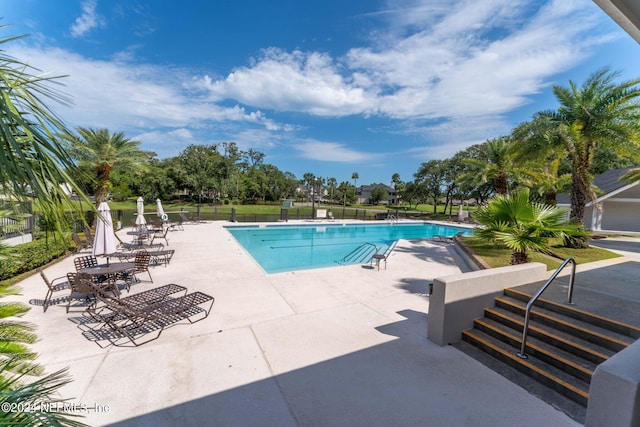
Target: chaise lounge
(151, 311)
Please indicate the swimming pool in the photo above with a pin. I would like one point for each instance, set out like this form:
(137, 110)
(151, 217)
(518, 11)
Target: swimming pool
(280, 248)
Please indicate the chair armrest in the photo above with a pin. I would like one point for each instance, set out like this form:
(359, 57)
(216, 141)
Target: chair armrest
(53, 282)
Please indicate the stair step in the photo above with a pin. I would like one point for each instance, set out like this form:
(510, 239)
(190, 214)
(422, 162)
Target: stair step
(570, 326)
(568, 344)
(547, 354)
(576, 313)
(564, 345)
(554, 378)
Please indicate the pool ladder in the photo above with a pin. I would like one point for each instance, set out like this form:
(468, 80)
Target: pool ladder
(362, 253)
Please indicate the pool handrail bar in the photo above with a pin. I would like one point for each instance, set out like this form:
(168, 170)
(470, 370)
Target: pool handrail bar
(522, 354)
(353, 253)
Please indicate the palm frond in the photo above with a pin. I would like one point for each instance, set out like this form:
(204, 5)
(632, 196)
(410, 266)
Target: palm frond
(29, 152)
(41, 393)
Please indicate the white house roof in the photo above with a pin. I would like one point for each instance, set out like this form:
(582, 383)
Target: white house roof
(609, 183)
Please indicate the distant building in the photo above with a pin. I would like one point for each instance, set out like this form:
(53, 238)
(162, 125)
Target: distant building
(617, 206)
(363, 194)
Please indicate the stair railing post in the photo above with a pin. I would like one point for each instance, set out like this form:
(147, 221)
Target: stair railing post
(525, 329)
(571, 278)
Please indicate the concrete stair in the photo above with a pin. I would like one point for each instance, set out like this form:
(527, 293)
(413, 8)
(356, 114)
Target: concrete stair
(564, 344)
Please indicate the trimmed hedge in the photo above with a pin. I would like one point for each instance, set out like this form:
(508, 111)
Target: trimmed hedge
(29, 256)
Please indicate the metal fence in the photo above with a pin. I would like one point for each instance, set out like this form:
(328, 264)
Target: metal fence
(24, 223)
(126, 218)
(20, 221)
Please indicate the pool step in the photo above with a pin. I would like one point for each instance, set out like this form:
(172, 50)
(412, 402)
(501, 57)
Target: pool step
(361, 254)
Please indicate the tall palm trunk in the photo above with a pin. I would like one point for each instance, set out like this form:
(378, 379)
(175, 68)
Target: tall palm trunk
(501, 183)
(579, 196)
(550, 198)
(103, 183)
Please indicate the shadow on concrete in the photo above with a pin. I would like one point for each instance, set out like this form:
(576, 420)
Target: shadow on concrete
(612, 291)
(617, 245)
(415, 286)
(406, 381)
(437, 252)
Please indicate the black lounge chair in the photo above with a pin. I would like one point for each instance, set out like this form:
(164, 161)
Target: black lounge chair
(80, 244)
(450, 239)
(144, 314)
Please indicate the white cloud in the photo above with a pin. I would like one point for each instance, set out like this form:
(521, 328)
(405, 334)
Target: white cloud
(123, 96)
(333, 152)
(167, 143)
(481, 58)
(89, 19)
(298, 81)
(441, 60)
(445, 71)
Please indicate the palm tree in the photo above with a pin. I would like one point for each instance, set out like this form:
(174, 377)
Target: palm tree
(355, 177)
(548, 183)
(522, 225)
(398, 185)
(104, 152)
(15, 356)
(30, 155)
(497, 166)
(332, 183)
(536, 148)
(308, 179)
(600, 113)
(40, 395)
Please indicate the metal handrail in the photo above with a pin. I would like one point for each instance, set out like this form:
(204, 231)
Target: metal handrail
(534, 298)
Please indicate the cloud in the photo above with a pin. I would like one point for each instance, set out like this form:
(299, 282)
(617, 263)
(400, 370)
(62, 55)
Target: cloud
(439, 60)
(333, 152)
(132, 97)
(298, 81)
(167, 142)
(89, 19)
(475, 59)
(445, 72)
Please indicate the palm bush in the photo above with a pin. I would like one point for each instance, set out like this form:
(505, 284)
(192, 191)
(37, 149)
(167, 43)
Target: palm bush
(35, 403)
(15, 356)
(522, 225)
(32, 163)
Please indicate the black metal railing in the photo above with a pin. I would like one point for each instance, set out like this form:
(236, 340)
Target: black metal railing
(20, 220)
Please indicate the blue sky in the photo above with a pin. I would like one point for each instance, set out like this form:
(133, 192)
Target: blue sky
(328, 87)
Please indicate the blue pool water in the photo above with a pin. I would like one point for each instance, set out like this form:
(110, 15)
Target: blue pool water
(280, 248)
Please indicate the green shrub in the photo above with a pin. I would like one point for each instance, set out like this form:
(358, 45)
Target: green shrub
(28, 256)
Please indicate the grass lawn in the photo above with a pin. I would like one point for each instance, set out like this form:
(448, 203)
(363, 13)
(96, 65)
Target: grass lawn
(499, 256)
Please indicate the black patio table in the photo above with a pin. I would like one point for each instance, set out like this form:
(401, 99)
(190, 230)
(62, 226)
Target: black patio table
(141, 235)
(110, 271)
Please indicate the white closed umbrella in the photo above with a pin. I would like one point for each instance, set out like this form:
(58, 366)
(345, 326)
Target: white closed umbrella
(140, 220)
(160, 208)
(462, 214)
(104, 242)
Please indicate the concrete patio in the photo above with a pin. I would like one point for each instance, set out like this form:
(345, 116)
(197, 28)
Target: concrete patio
(341, 346)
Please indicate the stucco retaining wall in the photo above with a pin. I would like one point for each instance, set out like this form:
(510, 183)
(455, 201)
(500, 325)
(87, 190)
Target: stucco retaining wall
(458, 299)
